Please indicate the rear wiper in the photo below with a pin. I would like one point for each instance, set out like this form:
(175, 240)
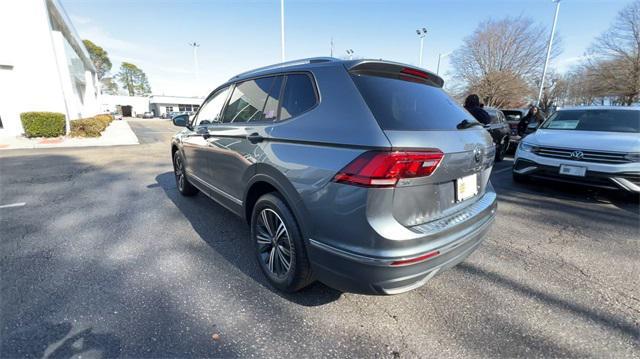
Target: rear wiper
(466, 124)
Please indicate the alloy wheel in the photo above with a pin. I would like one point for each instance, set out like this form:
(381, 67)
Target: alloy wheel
(179, 172)
(274, 243)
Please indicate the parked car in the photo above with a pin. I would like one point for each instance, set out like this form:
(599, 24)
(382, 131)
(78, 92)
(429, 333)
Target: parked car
(596, 146)
(513, 117)
(499, 130)
(362, 174)
(148, 114)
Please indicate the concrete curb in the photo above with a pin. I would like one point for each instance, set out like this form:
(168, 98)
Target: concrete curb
(118, 133)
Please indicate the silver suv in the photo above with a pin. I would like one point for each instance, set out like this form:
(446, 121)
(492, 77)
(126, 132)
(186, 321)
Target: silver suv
(361, 174)
(594, 146)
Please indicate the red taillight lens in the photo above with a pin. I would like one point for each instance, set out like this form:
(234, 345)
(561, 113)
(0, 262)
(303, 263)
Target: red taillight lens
(384, 169)
(418, 259)
(415, 72)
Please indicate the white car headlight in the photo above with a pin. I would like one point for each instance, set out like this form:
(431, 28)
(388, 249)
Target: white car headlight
(526, 146)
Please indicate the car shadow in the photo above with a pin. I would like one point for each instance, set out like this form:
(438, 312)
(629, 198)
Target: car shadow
(228, 235)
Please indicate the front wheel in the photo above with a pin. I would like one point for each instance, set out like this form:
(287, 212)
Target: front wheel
(278, 244)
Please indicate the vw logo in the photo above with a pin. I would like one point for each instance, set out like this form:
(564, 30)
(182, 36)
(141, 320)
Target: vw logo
(477, 155)
(577, 155)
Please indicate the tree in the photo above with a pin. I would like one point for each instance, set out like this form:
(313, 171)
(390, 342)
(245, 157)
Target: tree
(109, 86)
(614, 63)
(502, 60)
(133, 79)
(99, 57)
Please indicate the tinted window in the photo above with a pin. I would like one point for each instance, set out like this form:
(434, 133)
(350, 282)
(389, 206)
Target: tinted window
(248, 100)
(270, 112)
(595, 120)
(513, 115)
(210, 111)
(404, 105)
(299, 96)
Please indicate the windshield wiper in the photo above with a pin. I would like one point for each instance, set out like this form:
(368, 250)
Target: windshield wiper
(467, 124)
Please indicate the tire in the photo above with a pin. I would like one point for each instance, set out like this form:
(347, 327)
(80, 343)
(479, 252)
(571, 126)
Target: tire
(501, 150)
(272, 259)
(184, 187)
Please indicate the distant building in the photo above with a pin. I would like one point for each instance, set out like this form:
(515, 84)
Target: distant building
(44, 65)
(161, 105)
(131, 106)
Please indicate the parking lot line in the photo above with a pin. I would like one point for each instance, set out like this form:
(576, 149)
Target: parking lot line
(19, 204)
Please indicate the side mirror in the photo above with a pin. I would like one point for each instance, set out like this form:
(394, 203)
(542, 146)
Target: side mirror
(180, 120)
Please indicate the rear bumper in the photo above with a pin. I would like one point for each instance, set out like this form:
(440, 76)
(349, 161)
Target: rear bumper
(455, 238)
(609, 176)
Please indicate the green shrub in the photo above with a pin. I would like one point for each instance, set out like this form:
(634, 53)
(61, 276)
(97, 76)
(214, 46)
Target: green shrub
(43, 124)
(90, 127)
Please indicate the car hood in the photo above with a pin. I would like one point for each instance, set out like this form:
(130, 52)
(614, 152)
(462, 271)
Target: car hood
(586, 140)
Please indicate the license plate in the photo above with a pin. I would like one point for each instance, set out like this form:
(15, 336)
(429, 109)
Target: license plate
(466, 187)
(573, 170)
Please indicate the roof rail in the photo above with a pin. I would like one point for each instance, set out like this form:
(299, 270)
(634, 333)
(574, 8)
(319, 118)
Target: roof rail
(310, 60)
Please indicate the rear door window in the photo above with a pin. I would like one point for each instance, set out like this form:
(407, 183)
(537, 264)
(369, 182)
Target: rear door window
(247, 102)
(299, 96)
(409, 106)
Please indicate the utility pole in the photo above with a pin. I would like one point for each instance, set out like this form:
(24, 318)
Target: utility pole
(546, 62)
(195, 46)
(282, 28)
(421, 34)
(440, 56)
(331, 46)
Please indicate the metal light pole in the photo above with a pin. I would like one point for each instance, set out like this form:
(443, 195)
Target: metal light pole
(331, 46)
(546, 62)
(195, 57)
(350, 53)
(440, 56)
(421, 34)
(282, 28)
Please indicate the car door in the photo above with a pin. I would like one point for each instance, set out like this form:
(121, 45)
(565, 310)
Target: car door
(234, 144)
(195, 144)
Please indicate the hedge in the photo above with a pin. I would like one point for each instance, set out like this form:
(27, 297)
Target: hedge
(43, 124)
(90, 127)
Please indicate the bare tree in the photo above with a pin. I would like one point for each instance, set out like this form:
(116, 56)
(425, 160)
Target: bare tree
(614, 67)
(502, 60)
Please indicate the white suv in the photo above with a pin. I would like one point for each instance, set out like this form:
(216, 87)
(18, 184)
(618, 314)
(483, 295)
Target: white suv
(596, 146)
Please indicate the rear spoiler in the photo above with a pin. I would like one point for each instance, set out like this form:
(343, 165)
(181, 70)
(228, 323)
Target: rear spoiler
(395, 70)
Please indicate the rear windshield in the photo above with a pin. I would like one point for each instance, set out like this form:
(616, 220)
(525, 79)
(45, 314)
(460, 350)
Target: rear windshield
(595, 120)
(409, 106)
(512, 115)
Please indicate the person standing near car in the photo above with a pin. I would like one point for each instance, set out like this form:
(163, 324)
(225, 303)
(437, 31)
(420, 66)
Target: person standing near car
(533, 116)
(472, 104)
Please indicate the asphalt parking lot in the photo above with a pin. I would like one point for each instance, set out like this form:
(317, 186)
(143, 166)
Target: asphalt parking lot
(106, 259)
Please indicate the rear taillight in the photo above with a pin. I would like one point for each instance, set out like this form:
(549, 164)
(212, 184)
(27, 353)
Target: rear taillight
(384, 169)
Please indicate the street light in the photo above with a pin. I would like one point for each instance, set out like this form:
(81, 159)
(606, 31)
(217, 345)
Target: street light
(282, 29)
(350, 53)
(421, 34)
(546, 61)
(440, 56)
(195, 46)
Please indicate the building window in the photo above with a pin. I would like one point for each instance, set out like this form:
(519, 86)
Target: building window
(183, 108)
(169, 108)
(195, 108)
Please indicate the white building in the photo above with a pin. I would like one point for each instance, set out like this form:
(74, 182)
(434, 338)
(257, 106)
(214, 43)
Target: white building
(161, 105)
(43, 64)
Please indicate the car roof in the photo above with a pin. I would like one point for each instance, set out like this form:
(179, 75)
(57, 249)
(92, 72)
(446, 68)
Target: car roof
(589, 108)
(315, 62)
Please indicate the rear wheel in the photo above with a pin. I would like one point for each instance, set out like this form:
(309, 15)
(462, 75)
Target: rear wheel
(501, 149)
(185, 188)
(278, 244)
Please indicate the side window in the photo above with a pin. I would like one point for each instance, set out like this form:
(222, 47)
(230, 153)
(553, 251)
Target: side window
(299, 96)
(248, 100)
(210, 111)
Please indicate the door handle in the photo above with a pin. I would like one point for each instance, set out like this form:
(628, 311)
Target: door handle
(255, 138)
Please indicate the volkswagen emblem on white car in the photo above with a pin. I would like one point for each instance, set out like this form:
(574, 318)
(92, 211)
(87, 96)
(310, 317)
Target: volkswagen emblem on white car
(577, 155)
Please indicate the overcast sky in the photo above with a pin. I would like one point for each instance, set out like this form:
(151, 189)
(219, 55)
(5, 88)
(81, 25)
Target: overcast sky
(236, 36)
